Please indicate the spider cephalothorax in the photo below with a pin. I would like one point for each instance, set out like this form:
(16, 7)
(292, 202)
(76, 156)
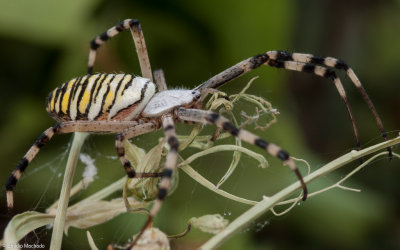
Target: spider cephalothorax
(130, 106)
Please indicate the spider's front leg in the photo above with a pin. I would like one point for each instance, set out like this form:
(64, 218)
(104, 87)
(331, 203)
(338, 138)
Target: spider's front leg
(138, 38)
(201, 116)
(321, 66)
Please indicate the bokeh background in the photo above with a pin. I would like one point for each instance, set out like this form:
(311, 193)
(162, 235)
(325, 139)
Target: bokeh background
(44, 43)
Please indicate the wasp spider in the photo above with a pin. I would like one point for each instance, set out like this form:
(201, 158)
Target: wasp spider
(129, 106)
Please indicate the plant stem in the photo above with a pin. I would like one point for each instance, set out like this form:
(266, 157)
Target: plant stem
(58, 227)
(263, 206)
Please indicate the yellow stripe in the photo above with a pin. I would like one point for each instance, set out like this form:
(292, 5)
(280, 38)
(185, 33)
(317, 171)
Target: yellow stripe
(74, 100)
(52, 101)
(57, 103)
(65, 100)
(111, 94)
(84, 101)
(109, 98)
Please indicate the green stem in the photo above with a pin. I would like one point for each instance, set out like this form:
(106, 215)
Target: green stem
(263, 206)
(59, 222)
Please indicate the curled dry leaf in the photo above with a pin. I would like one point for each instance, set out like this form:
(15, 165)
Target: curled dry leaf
(21, 224)
(89, 213)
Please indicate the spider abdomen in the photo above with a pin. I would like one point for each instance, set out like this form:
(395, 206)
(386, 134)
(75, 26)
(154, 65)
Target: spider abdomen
(100, 97)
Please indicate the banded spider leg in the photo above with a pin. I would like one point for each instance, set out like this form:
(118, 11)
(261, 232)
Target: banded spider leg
(133, 127)
(308, 63)
(138, 39)
(202, 116)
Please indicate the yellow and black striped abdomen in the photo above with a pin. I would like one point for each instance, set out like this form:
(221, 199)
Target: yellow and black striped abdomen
(100, 97)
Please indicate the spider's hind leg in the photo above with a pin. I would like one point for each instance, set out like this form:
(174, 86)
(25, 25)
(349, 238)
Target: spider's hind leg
(61, 128)
(201, 116)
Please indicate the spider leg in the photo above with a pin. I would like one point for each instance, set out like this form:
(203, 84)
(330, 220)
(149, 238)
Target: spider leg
(160, 79)
(202, 116)
(323, 72)
(23, 164)
(299, 62)
(138, 39)
(171, 159)
(169, 168)
(308, 60)
(119, 145)
(61, 128)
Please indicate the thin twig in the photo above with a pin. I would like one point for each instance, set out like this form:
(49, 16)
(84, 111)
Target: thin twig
(59, 222)
(264, 206)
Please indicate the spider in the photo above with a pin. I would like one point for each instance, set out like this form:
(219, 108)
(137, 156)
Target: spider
(129, 106)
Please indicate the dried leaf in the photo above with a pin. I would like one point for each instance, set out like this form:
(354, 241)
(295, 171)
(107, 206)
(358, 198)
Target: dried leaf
(211, 223)
(145, 189)
(152, 239)
(88, 213)
(21, 224)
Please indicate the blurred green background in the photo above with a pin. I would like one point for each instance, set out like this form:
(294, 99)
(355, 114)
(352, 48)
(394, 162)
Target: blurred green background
(44, 43)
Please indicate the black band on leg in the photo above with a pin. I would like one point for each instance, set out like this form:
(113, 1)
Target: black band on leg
(258, 60)
(213, 117)
(317, 60)
(229, 127)
(104, 37)
(284, 56)
(283, 155)
(169, 127)
(57, 128)
(134, 22)
(42, 140)
(129, 170)
(94, 45)
(276, 64)
(330, 74)
(22, 164)
(11, 182)
(162, 193)
(261, 143)
(340, 64)
(167, 173)
(308, 68)
(173, 143)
